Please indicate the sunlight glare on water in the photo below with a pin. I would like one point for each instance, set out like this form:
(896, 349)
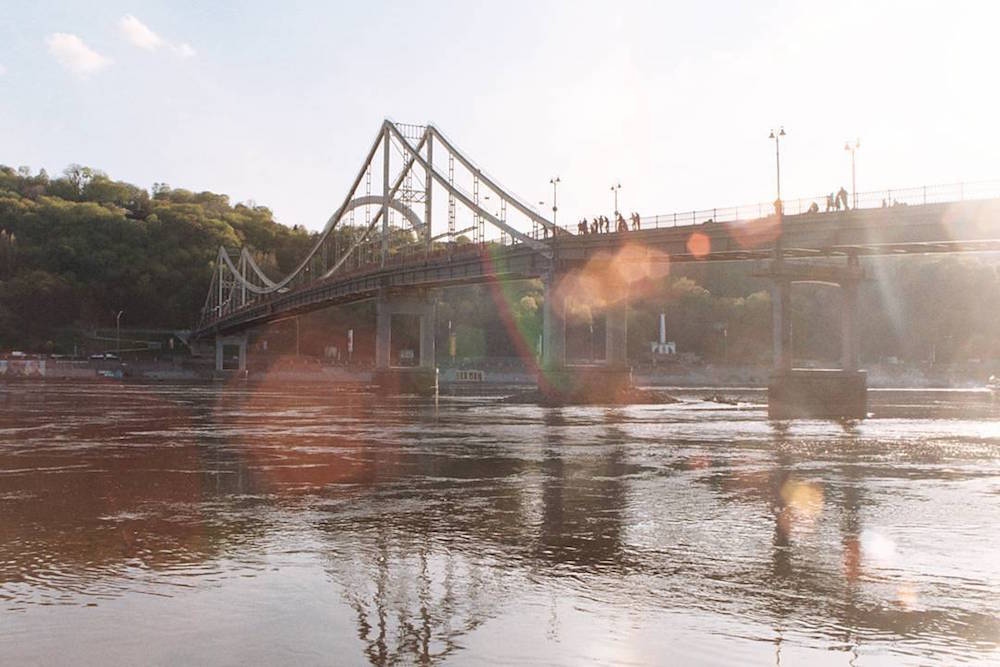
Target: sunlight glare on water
(205, 524)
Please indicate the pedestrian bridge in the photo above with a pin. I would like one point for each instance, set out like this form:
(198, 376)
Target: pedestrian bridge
(435, 219)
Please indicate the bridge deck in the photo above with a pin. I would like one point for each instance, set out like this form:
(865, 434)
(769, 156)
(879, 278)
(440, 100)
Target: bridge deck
(931, 228)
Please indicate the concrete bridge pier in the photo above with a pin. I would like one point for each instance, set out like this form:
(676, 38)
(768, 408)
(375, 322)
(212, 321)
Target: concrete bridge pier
(559, 382)
(421, 378)
(838, 393)
(221, 343)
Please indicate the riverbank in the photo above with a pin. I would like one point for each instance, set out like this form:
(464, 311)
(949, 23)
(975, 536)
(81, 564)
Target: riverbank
(468, 378)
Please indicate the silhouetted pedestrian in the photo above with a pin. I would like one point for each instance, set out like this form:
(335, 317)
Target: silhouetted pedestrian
(813, 207)
(829, 202)
(842, 198)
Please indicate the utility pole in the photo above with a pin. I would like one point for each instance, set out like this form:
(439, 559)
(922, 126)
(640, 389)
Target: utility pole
(615, 188)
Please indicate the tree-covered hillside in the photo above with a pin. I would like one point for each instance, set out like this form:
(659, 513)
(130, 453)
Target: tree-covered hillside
(77, 248)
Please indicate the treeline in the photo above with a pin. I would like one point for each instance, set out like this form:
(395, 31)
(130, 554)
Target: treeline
(78, 248)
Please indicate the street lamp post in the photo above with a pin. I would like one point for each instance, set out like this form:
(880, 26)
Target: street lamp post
(854, 183)
(781, 295)
(555, 182)
(777, 160)
(118, 333)
(615, 188)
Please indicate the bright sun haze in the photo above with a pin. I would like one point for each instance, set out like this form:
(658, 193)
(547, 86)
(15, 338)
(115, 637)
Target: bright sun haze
(672, 100)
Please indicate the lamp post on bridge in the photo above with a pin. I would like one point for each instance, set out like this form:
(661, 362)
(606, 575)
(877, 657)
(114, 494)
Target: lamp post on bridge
(776, 135)
(615, 188)
(781, 288)
(555, 184)
(854, 184)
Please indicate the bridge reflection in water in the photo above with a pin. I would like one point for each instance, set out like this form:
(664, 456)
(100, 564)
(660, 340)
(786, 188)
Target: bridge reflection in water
(404, 531)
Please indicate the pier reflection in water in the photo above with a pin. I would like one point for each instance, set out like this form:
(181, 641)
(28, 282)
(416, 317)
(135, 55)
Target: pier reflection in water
(265, 524)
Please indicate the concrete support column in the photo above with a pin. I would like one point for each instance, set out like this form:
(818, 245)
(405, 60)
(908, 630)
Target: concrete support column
(850, 334)
(383, 332)
(219, 353)
(781, 320)
(390, 379)
(560, 384)
(616, 334)
(553, 326)
(243, 354)
(421, 305)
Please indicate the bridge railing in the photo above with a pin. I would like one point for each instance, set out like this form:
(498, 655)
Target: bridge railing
(925, 194)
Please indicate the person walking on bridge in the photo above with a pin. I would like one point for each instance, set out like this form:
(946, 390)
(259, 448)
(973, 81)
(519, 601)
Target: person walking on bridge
(621, 224)
(636, 221)
(842, 198)
(829, 202)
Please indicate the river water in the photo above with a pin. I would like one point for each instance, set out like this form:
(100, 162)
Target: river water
(272, 525)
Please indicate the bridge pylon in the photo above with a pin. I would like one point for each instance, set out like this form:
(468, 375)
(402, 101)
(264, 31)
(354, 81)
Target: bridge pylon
(420, 375)
(238, 341)
(561, 382)
(840, 393)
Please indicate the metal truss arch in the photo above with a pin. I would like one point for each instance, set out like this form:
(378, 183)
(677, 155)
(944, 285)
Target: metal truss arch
(238, 280)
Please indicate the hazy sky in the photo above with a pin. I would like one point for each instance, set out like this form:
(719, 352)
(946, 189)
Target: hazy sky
(277, 102)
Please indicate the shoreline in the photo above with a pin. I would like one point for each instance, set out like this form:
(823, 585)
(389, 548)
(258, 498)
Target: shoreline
(307, 371)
